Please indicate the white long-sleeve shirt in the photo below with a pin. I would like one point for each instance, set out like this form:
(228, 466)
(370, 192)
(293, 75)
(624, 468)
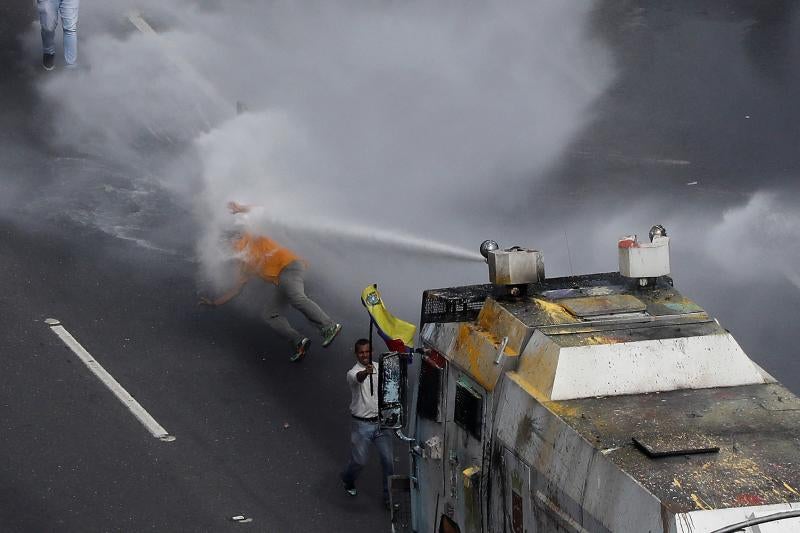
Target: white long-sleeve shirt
(362, 404)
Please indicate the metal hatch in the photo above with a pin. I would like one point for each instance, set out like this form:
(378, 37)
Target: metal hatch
(603, 305)
(669, 445)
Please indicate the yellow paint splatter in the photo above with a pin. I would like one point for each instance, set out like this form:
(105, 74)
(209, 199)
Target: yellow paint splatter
(562, 410)
(699, 503)
(467, 351)
(555, 313)
(790, 489)
(676, 483)
(592, 340)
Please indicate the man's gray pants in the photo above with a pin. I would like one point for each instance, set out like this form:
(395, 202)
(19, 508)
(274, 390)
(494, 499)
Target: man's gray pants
(291, 290)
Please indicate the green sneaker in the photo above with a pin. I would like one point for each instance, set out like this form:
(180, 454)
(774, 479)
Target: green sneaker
(329, 333)
(301, 351)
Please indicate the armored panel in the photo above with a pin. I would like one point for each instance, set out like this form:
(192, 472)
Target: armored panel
(573, 486)
(497, 320)
(757, 448)
(391, 390)
(439, 336)
(615, 362)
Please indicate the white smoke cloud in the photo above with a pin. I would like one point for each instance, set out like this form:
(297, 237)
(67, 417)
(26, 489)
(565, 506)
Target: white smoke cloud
(385, 120)
(759, 240)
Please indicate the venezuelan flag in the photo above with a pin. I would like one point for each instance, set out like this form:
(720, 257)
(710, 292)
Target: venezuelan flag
(397, 334)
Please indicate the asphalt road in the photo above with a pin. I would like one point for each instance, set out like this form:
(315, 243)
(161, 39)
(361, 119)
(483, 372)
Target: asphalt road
(260, 437)
(255, 434)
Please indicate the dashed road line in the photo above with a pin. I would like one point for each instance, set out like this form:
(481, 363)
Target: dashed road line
(108, 380)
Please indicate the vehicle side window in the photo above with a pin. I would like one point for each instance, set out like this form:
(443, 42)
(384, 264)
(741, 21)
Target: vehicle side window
(431, 379)
(468, 411)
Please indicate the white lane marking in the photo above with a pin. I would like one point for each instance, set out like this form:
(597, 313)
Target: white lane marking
(108, 380)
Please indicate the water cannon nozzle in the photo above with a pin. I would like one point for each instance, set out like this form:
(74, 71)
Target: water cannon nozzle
(487, 246)
(657, 231)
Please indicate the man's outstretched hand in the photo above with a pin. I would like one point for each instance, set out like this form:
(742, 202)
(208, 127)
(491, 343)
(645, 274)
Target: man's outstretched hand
(236, 208)
(206, 301)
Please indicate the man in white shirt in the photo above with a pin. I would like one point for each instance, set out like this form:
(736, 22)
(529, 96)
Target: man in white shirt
(366, 428)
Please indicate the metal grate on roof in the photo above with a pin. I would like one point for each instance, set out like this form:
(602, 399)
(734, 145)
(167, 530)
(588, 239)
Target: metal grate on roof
(456, 304)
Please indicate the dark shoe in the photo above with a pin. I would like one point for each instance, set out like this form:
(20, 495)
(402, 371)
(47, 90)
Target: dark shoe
(349, 488)
(329, 333)
(301, 351)
(48, 61)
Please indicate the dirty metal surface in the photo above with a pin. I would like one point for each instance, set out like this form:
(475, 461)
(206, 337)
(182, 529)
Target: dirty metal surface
(608, 308)
(578, 298)
(603, 305)
(574, 301)
(614, 334)
(758, 462)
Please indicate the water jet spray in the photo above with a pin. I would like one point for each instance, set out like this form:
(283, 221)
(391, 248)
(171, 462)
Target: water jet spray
(395, 240)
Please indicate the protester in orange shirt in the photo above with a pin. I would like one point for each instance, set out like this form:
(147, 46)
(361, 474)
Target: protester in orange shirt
(261, 257)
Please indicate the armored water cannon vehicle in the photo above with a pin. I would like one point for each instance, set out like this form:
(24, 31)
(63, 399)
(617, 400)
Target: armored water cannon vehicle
(589, 403)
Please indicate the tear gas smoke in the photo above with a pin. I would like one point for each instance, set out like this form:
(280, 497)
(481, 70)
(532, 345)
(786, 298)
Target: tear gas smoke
(376, 130)
(770, 227)
(447, 122)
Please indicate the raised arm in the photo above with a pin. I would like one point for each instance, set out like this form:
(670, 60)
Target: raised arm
(236, 208)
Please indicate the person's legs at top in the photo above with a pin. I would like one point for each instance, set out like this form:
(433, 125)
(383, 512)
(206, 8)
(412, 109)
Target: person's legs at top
(384, 443)
(360, 437)
(48, 20)
(68, 10)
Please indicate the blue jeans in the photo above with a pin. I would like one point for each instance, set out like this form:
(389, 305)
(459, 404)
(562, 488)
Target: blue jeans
(362, 434)
(49, 13)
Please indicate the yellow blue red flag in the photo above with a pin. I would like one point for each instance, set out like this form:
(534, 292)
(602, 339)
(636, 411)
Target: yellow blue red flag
(397, 334)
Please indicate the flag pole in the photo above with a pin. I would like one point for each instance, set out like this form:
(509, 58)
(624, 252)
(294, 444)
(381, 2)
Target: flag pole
(371, 388)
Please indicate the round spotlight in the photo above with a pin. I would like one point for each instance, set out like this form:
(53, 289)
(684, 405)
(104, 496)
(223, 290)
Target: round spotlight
(657, 231)
(487, 246)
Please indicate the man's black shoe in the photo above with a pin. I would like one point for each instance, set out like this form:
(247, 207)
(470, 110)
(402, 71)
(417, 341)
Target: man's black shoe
(48, 61)
(349, 488)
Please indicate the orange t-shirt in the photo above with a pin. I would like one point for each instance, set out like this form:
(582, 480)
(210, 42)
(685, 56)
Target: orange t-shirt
(263, 257)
